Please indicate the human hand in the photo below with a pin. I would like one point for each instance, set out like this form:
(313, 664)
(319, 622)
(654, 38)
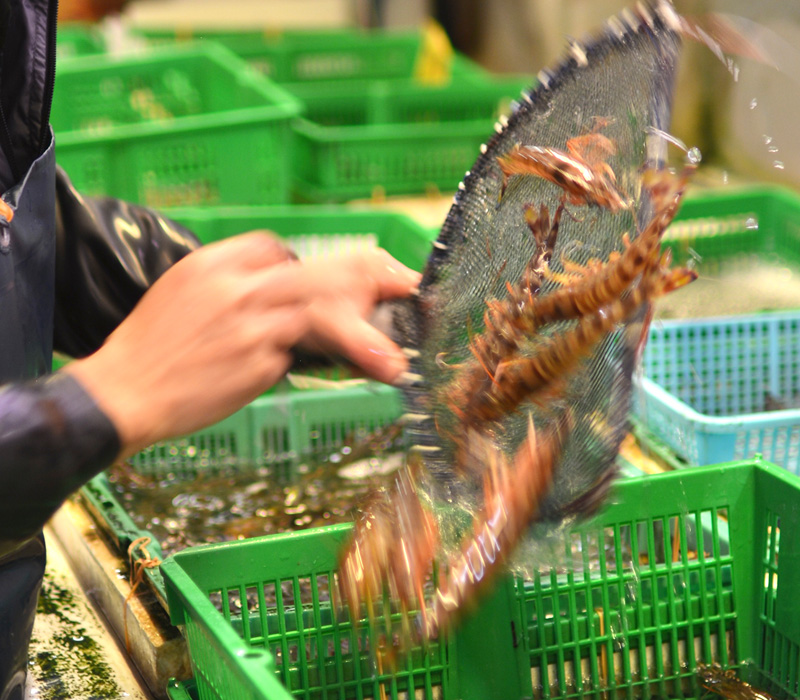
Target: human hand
(343, 292)
(217, 330)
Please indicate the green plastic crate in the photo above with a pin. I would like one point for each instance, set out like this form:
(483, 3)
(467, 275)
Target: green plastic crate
(77, 39)
(315, 56)
(689, 573)
(276, 429)
(394, 137)
(737, 223)
(173, 127)
(745, 244)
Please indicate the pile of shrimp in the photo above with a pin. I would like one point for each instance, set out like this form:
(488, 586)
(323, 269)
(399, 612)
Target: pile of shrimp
(394, 552)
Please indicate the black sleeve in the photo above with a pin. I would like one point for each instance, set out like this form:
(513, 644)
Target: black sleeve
(108, 253)
(53, 439)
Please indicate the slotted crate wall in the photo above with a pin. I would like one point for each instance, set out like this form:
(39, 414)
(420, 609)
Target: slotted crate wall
(721, 389)
(681, 569)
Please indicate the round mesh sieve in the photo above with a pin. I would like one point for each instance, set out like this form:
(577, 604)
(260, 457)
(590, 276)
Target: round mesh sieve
(623, 78)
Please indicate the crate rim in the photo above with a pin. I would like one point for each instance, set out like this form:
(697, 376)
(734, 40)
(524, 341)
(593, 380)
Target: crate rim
(716, 424)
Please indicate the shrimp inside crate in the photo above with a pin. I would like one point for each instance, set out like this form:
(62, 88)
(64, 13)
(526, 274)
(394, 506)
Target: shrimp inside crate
(681, 569)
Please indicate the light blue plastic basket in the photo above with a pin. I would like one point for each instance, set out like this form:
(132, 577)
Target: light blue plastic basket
(709, 385)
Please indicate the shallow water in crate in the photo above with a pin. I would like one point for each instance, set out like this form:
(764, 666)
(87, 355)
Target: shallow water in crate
(242, 501)
(739, 286)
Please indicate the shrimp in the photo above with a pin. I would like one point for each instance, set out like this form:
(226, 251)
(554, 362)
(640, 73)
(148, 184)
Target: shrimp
(582, 171)
(511, 498)
(496, 342)
(394, 543)
(399, 553)
(596, 301)
(726, 684)
(520, 378)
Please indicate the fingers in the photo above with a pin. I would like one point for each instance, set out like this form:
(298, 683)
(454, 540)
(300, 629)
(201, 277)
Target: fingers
(366, 278)
(252, 250)
(364, 345)
(283, 328)
(390, 277)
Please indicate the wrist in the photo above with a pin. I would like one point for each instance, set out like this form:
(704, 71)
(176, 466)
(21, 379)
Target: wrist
(107, 388)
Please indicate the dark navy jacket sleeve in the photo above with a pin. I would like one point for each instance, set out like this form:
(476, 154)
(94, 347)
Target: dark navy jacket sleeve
(108, 253)
(52, 439)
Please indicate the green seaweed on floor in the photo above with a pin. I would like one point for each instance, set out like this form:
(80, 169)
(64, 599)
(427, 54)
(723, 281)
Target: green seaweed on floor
(65, 662)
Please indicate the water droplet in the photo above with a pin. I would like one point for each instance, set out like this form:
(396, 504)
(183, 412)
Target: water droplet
(772, 149)
(753, 103)
(767, 139)
(693, 155)
(77, 638)
(751, 224)
(778, 165)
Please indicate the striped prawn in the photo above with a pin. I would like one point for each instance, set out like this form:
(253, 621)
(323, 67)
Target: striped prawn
(396, 545)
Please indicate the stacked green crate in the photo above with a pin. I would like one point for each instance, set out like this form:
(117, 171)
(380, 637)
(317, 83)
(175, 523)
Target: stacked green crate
(363, 139)
(317, 57)
(172, 127)
(371, 125)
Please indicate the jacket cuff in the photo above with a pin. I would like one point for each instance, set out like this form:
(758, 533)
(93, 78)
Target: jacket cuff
(53, 439)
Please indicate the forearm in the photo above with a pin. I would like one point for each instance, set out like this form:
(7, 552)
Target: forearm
(53, 438)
